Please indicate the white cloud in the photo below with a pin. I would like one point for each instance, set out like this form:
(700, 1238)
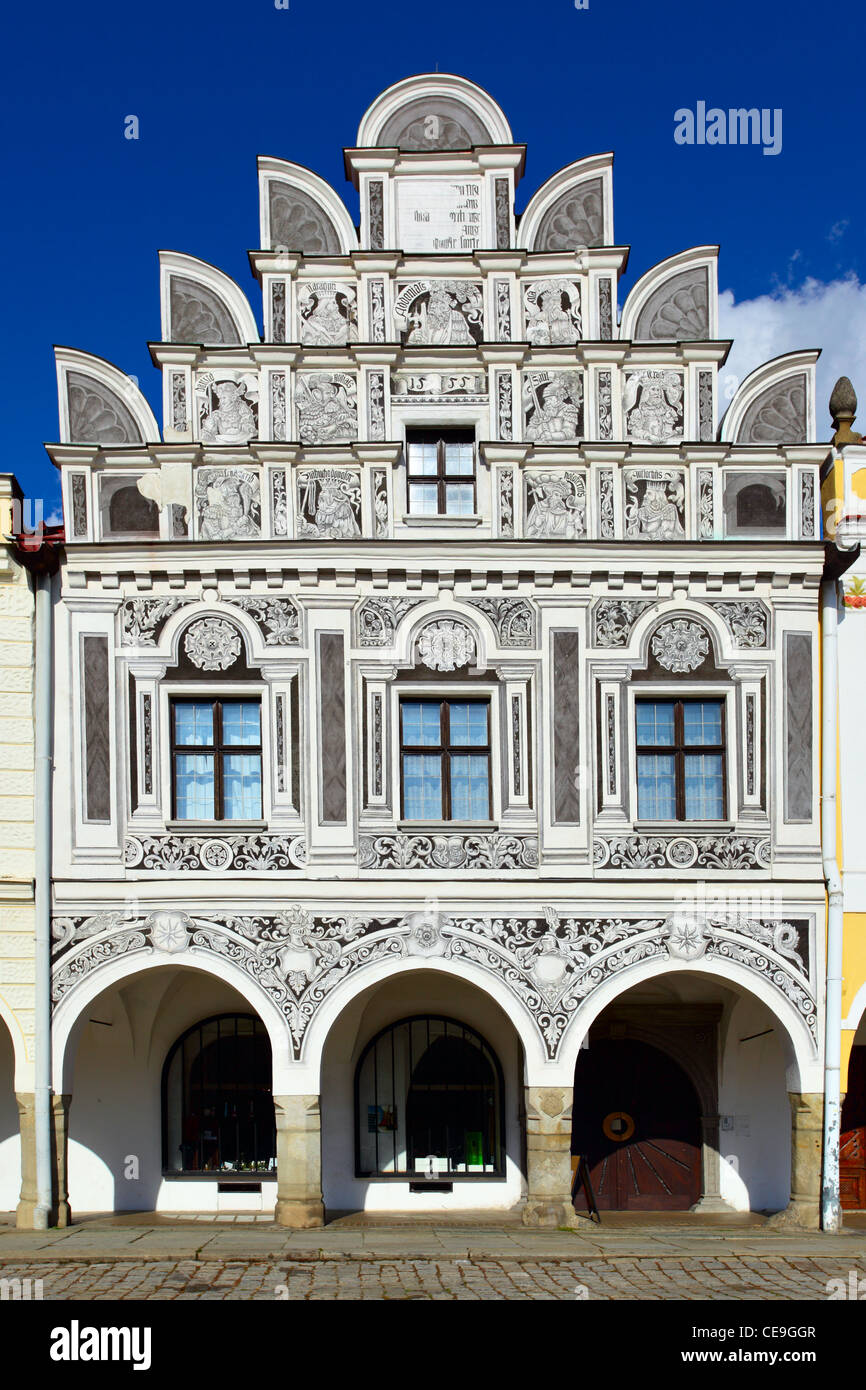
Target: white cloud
(827, 315)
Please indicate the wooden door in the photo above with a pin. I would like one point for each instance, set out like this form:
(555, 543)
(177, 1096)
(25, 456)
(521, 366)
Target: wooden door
(852, 1143)
(637, 1120)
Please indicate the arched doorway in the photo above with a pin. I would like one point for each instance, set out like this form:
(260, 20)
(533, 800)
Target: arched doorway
(637, 1121)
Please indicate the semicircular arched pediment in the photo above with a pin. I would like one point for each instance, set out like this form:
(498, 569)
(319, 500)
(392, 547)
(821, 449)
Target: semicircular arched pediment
(435, 122)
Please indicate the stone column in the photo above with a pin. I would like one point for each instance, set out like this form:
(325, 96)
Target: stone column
(299, 1162)
(711, 1192)
(548, 1157)
(27, 1129)
(60, 1213)
(60, 1111)
(807, 1132)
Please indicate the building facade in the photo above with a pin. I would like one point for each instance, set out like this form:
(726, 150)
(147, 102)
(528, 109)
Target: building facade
(440, 691)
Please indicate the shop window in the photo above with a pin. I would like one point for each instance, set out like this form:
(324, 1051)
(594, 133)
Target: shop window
(441, 472)
(429, 1103)
(680, 759)
(217, 1101)
(445, 760)
(216, 760)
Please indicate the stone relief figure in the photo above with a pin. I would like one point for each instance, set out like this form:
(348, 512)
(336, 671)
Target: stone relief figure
(329, 503)
(440, 313)
(556, 506)
(655, 504)
(552, 313)
(329, 314)
(653, 406)
(227, 408)
(228, 503)
(327, 407)
(553, 407)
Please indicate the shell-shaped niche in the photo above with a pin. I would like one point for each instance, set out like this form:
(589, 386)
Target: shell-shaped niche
(100, 404)
(678, 311)
(433, 111)
(779, 415)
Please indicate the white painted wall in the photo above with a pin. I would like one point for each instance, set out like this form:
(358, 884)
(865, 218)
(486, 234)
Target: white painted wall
(424, 992)
(852, 746)
(115, 1111)
(756, 1151)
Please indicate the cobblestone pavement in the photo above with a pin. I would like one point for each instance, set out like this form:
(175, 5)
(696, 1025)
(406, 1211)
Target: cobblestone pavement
(726, 1277)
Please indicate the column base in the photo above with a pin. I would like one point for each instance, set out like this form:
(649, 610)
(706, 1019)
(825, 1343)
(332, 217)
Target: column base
(797, 1216)
(302, 1214)
(712, 1204)
(549, 1214)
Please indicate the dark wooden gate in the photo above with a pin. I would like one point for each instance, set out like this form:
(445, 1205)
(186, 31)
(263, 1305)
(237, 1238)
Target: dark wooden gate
(852, 1145)
(637, 1120)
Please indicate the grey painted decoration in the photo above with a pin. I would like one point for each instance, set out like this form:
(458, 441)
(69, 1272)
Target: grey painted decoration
(505, 405)
(645, 853)
(377, 214)
(494, 852)
(605, 308)
(506, 502)
(706, 505)
(512, 617)
(431, 122)
(179, 524)
(278, 310)
(230, 853)
(605, 405)
(614, 618)
(328, 311)
(142, 619)
(652, 406)
(503, 215)
(566, 727)
(327, 405)
(380, 502)
(332, 727)
(610, 733)
(502, 295)
(227, 406)
(147, 743)
(280, 716)
(440, 313)
(377, 742)
(298, 223)
(197, 314)
(78, 495)
(278, 405)
(377, 618)
(807, 505)
(96, 760)
(705, 406)
(750, 745)
(516, 753)
(778, 415)
(228, 503)
(575, 219)
(747, 620)
(279, 502)
(553, 407)
(377, 310)
(551, 309)
(329, 503)
(376, 405)
(555, 505)
(798, 726)
(606, 512)
(677, 310)
(277, 619)
(97, 415)
(179, 414)
(655, 504)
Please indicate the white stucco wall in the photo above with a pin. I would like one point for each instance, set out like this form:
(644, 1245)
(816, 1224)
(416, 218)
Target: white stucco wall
(755, 1138)
(10, 1145)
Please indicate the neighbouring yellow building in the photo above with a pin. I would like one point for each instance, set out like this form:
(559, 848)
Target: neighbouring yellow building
(845, 513)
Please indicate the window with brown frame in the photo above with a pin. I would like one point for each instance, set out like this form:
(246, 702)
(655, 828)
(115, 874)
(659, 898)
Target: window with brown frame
(445, 760)
(680, 759)
(440, 467)
(216, 760)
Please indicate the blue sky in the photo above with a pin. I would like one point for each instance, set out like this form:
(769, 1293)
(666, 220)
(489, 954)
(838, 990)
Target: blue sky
(214, 85)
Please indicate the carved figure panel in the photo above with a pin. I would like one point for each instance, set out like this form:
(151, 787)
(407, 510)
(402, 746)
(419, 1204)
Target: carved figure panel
(228, 407)
(435, 313)
(653, 406)
(327, 404)
(552, 310)
(555, 505)
(228, 503)
(329, 503)
(655, 503)
(552, 407)
(329, 313)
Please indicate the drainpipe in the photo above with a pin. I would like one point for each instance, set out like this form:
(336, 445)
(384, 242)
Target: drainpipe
(44, 710)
